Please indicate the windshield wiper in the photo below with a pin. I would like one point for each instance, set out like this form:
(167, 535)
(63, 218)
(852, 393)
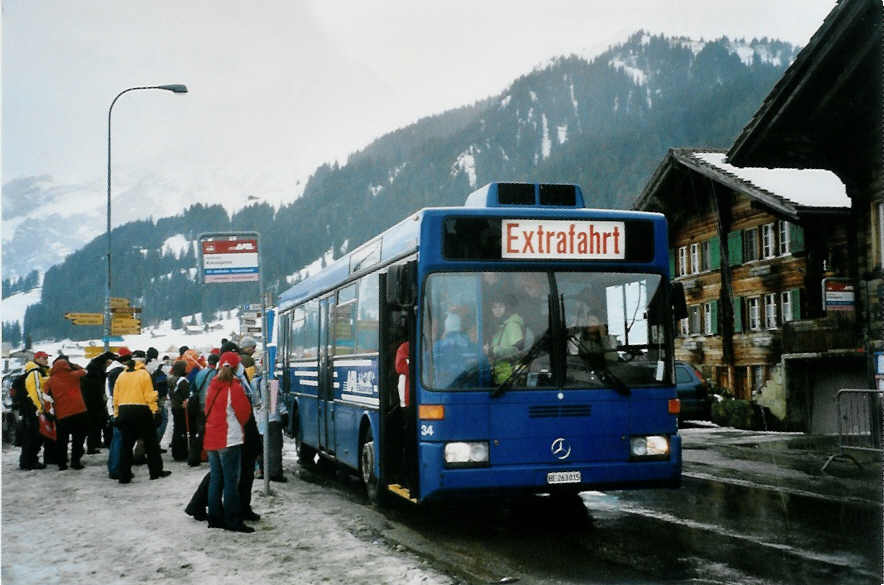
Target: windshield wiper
(523, 363)
(595, 361)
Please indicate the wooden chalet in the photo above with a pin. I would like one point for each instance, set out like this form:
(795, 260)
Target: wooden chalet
(787, 295)
(826, 113)
(753, 248)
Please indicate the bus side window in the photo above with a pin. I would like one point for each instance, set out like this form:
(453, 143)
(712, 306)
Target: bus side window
(367, 317)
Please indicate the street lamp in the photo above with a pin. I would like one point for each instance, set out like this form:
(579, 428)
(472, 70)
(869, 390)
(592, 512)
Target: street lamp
(174, 88)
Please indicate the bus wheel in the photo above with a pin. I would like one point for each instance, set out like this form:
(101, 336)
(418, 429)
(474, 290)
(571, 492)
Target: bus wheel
(366, 467)
(306, 454)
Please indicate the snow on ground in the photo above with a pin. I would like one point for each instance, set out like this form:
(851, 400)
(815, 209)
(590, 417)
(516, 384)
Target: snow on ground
(69, 527)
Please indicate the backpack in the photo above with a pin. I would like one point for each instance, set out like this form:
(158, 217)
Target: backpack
(18, 392)
(160, 382)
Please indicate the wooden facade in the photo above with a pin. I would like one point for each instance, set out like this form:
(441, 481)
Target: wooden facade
(826, 113)
(752, 264)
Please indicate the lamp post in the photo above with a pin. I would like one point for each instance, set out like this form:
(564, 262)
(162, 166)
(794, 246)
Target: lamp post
(174, 88)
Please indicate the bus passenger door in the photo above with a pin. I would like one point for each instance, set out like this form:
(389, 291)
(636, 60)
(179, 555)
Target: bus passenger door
(326, 381)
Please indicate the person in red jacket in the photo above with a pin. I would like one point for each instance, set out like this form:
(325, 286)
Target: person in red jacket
(227, 410)
(70, 411)
(403, 357)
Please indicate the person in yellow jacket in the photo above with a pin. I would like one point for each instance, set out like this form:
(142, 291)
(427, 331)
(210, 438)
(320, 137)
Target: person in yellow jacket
(37, 372)
(135, 410)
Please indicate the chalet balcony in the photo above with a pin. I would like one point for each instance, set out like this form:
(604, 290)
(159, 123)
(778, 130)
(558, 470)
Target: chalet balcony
(820, 335)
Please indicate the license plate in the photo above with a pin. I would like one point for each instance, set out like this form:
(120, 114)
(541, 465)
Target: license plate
(563, 477)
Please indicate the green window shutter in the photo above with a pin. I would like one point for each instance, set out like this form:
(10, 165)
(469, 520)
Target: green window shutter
(796, 304)
(735, 248)
(796, 237)
(738, 314)
(714, 316)
(715, 253)
(671, 263)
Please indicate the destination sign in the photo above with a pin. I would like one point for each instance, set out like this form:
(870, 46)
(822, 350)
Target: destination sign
(558, 239)
(226, 260)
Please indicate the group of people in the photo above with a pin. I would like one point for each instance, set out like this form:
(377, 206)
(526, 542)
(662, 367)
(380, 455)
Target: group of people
(212, 401)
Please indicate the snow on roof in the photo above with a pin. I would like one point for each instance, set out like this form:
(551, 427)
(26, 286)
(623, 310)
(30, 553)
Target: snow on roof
(803, 187)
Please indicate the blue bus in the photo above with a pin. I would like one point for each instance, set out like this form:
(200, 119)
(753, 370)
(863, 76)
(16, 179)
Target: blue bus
(534, 344)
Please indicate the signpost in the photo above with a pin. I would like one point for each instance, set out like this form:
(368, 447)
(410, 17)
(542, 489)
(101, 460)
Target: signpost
(92, 351)
(234, 257)
(85, 318)
(225, 260)
(838, 294)
(123, 320)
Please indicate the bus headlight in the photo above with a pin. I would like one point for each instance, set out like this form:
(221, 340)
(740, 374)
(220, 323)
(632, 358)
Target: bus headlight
(649, 447)
(466, 453)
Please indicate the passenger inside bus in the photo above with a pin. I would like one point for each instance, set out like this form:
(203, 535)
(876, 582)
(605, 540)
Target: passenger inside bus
(454, 353)
(508, 340)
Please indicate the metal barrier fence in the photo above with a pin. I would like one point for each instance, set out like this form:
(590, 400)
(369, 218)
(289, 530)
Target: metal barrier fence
(860, 418)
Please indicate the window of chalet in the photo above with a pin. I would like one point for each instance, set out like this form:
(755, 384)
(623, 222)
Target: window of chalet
(785, 242)
(704, 256)
(750, 244)
(753, 305)
(790, 305)
(695, 258)
(758, 378)
(770, 311)
(768, 240)
(694, 319)
(683, 261)
(710, 318)
(684, 327)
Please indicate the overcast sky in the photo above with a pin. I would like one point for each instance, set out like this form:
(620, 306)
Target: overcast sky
(280, 86)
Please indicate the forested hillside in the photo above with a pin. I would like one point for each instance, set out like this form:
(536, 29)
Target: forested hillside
(603, 124)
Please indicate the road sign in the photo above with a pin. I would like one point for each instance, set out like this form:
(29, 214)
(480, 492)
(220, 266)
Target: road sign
(122, 325)
(125, 310)
(96, 350)
(118, 302)
(85, 318)
(230, 260)
(125, 330)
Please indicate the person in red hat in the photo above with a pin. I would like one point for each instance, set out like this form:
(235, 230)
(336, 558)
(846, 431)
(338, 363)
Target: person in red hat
(37, 371)
(227, 410)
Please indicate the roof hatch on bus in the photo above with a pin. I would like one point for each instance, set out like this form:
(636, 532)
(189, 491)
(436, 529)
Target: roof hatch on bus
(526, 195)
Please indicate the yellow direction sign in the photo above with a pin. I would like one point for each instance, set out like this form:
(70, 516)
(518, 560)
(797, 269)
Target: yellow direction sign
(125, 325)
(92, 351)
(85, 318)
(124, 311)
(118, 303)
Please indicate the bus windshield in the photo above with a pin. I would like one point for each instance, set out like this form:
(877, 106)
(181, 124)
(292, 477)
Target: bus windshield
(523, 330)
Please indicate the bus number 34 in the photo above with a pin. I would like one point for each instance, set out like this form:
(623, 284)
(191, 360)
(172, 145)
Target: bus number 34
(426, 430)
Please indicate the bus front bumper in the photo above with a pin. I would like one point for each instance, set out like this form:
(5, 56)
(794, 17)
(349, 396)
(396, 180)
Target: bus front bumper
(437, 479)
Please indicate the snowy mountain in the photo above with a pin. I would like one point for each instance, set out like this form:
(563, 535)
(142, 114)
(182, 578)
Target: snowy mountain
(603, 123)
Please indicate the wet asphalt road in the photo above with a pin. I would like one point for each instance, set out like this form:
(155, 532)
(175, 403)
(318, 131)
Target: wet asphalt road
(704, 532)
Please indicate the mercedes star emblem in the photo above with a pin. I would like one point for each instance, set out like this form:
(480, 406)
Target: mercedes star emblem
(560, 448)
